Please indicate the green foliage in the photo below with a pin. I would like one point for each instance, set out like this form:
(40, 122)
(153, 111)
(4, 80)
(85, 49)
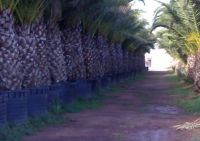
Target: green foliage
(8, 4)
(191, 105)
(16, 132)
(113, 19)
(180, 20)
(81, 105)
(188, 100)
(27, 11)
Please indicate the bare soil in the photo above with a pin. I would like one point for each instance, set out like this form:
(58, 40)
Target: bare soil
(143, 111)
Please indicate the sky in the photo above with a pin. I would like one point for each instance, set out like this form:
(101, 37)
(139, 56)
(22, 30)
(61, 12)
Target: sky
(149, 8)
(160, 60)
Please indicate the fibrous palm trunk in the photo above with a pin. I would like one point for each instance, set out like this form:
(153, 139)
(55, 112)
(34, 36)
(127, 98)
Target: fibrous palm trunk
(125, 60)
(135, 63)
(119, 59)
(113, 54)
(99, 48)
(107, 60)
(56, 59)
(28, 56)
(89, 53)
(39, 30)
(130, 63)
(142, 62)
(10, 77)
(191, 66)
(73, 53)
(103, 55)
(196, 72)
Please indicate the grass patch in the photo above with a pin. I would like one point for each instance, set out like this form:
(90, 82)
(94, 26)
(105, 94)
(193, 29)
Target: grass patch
(16, 132)
(180, 87)
(121, 86)
(81, 105)
(191, 105)
(188, 99)
(134, 79)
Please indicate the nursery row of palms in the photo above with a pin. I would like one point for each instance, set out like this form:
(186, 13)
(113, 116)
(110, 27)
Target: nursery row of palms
(48, 41)
(180, 35)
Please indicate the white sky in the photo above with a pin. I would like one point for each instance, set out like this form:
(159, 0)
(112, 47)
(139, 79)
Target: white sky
(149, 8)
(160, 60)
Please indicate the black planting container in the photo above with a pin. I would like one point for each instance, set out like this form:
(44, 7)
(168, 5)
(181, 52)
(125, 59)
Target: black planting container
(3, 110)
(117, 77)
(37, 102)
(95, 85)
(17, 111)
(105, 82)
(65, 96)
(73, 92)
(113, 79)
(83, 90)
(121, 77)
(55, 94)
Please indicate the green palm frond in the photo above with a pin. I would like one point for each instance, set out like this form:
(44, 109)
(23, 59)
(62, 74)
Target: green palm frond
(8, 4)
(28, 11)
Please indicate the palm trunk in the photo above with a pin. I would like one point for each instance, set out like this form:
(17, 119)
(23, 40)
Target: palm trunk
(191, 66)
(9, 54)
(98, 57)
(73, 53)
(88, 44)
(125, 60)
(39, 30)
(119, 58)
(56, 59)
(106, 56)
(196, 72)
(28, 56)
(113, 65)
(103, 55)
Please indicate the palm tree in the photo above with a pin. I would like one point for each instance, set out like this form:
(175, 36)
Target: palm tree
(181, 35)
(9, 51)
(73, 52)
(31, 29)
(55, 48)
(92, 39)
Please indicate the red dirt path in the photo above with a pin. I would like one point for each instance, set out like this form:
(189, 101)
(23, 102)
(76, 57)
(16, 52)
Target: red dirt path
(141, 112)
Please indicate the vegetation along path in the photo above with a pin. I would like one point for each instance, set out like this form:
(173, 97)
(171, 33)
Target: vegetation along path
(142, 111)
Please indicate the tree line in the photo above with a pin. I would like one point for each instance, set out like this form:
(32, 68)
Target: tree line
(180, 34)
(46, 41)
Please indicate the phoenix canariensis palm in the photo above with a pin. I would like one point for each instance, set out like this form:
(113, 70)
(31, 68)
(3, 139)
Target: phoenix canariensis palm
(9, 51)
(181, 20)
(56, 58)
(31, 29)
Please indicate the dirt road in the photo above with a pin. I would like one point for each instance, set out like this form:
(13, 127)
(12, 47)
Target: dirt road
(141, 112)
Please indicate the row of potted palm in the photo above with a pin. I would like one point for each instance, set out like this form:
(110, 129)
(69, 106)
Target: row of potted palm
(45, 42)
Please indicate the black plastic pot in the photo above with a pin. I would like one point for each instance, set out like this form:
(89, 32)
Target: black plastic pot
(73, 90)
(37, 102)
(105, 82)
(83, 90)
(55, 94)
(65, 96)
(3, 110)
(113, 79)
(17, 111)
(95, 85)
